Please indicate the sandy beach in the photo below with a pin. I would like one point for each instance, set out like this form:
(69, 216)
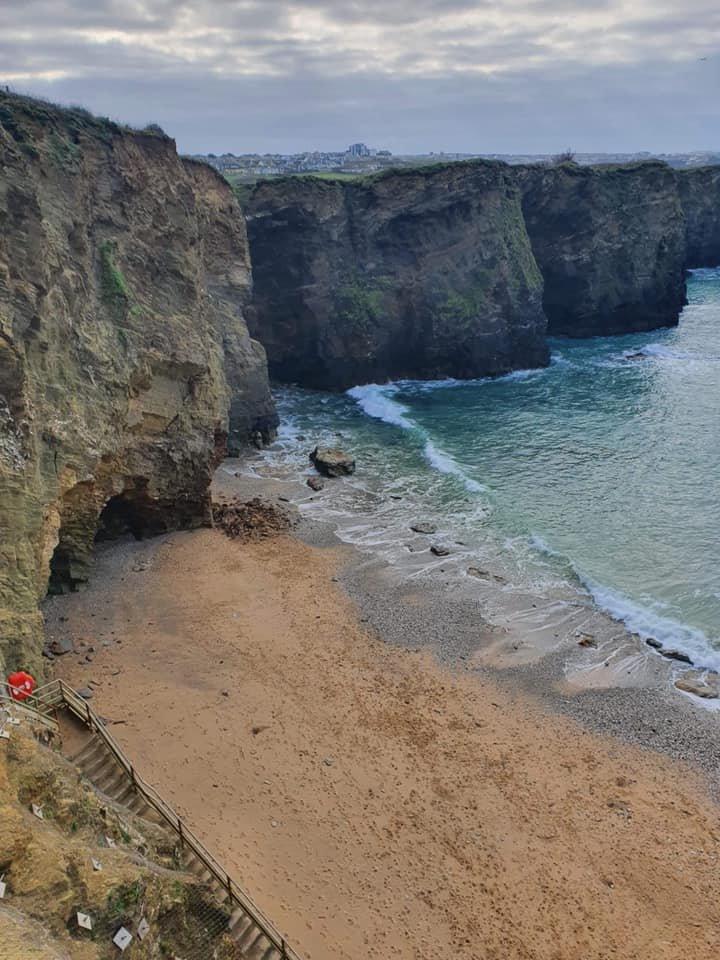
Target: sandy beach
(375, 802)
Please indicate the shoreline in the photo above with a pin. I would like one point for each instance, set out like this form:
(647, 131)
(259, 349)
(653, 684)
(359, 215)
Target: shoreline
(633, 698)
(374, 801)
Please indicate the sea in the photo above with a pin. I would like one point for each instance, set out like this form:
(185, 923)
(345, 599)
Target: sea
(596, 477)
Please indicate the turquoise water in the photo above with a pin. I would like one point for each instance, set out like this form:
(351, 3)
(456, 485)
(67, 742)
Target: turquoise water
(601, 470)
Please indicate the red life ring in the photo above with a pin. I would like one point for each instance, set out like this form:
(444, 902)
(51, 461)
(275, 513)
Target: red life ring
(21, 685)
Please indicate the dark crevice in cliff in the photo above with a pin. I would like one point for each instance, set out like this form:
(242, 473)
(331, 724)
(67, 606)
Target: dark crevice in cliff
(130, 512)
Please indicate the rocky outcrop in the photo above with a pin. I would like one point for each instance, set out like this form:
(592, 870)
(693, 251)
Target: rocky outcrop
(610, 244)
(125, 361)
(415, 273)
(457, 270)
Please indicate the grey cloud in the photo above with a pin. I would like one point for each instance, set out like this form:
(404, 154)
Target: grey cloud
(295, 74)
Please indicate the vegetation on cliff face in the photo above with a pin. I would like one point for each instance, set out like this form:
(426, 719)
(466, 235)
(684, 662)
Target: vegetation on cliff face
(114, 288)
(360, 301)
(126, 367)
(420, 273)
(478, 258)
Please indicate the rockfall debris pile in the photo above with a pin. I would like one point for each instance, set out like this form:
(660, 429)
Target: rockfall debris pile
(254, 519)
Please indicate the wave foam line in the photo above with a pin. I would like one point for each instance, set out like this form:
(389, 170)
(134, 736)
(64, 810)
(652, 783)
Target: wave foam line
(377, 401)
(445, 464)
(639, 619)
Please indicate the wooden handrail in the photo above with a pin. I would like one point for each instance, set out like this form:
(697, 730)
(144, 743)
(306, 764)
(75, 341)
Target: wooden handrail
(58, 693)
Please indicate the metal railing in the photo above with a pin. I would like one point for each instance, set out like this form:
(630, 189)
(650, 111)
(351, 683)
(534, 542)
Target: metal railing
(57, 695)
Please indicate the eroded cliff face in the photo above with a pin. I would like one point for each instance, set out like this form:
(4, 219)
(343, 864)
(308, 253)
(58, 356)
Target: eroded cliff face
(610, 244)
(458, 270)
(123, 276)
(420, 273)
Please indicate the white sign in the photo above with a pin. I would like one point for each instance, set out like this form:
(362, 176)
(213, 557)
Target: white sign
(84, 921)
(3, 887)
(122, 938)
(143, 929)
(38, 811)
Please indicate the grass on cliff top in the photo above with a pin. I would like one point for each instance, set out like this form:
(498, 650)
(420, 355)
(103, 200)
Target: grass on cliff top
(14, 107)
(244, 188)
(339, 176)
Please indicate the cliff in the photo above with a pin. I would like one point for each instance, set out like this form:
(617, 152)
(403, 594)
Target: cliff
(415, 273)
(125, 360)
(610, 244)
(459, 270)
(700, 199)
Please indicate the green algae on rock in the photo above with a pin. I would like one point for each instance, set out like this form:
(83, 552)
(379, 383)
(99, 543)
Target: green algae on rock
(414, 273)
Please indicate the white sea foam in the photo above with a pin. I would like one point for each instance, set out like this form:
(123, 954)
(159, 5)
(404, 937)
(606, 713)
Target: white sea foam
(664, 353)
(544, 547)
(642, 619)
(444, 463)
(377, 401)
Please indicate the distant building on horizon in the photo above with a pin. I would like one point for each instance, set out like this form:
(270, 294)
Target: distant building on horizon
(359, 150)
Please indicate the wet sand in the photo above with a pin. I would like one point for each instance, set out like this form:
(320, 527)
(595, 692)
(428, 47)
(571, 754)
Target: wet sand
(375, 802)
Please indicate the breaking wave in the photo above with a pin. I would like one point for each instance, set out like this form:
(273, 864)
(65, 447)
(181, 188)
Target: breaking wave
(639, 618)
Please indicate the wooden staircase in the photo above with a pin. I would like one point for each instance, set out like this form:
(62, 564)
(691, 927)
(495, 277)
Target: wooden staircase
(111, 779)
(103, 763)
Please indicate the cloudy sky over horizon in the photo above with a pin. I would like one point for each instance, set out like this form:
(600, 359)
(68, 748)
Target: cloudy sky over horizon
(410, 75)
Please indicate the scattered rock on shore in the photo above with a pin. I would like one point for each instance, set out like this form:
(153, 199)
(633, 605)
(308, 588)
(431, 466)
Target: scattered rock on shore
(59, 646)
(332, 462)
(315, 483)
(586, 640)
(439, 550)
(655, 644)
(698, 687)
(423, 527)
(675, 655)
(485, 575)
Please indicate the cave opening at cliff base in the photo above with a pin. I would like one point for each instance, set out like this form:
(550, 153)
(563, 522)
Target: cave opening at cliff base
(131, 513)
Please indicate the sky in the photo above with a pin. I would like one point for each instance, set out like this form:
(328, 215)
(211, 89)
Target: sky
(412, 76)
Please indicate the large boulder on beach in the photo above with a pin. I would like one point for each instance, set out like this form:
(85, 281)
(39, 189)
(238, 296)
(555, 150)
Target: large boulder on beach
(705, 688)
(332, 462)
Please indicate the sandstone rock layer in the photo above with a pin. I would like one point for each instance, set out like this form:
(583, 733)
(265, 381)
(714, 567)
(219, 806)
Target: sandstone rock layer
(125, 360)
